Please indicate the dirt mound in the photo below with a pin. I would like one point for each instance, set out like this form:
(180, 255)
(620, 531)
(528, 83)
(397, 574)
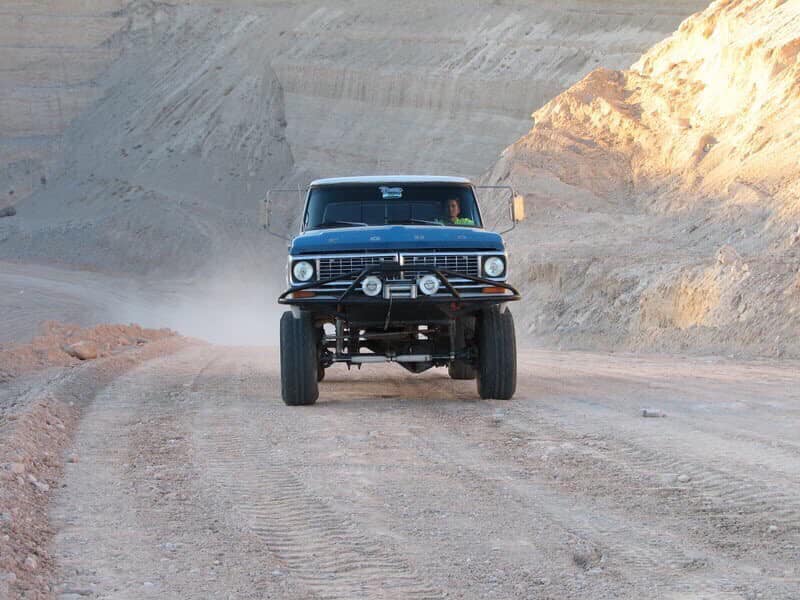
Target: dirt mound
(637, 180)
(61, 344)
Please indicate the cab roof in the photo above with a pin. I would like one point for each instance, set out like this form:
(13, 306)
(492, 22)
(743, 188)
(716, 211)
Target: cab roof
(376, 179)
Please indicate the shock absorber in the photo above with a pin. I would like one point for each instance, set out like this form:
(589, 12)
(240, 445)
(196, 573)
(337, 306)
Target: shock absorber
(339, 338)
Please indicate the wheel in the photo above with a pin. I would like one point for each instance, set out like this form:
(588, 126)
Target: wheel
(298, 360)
(461, 369)
(497, 354)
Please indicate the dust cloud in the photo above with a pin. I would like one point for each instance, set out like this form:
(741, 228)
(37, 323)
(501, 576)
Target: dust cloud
(226, 309)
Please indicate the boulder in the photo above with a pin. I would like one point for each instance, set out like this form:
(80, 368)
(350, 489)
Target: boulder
(727, 255)
(84, 350)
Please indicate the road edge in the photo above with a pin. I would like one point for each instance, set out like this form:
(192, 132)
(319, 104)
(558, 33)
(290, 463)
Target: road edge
(32, 457)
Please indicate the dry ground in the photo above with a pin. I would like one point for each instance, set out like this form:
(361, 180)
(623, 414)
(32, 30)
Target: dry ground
(188, 478)
(195, 481)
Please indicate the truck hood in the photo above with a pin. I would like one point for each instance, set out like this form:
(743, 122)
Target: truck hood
(395, 237)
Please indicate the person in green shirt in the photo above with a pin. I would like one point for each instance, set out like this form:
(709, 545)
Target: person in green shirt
(454, 214)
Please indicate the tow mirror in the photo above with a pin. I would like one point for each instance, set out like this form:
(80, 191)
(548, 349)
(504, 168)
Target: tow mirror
(278, 227)
(518, 208)
(502, 195)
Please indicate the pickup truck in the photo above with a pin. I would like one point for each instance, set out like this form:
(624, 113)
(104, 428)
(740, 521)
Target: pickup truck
(397, 269)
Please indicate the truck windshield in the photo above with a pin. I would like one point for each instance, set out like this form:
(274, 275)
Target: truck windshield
(389, 204)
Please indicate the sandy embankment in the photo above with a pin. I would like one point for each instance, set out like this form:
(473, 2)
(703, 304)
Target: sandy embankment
(663, 199)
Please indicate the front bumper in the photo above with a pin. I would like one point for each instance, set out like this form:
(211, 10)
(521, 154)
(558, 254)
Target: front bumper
(456, 288)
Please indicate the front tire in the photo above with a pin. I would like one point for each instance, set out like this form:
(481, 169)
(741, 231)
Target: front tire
(299, 362)
(497, 354)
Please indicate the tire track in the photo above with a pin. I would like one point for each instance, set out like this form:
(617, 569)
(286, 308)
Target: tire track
(322, 548)
(742, 499)
(639, 552)
(629, 546)
(133, 523)
(642, 548)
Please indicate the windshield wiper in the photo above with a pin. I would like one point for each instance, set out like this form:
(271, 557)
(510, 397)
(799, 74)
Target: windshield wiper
(327, 224)
(415, 222)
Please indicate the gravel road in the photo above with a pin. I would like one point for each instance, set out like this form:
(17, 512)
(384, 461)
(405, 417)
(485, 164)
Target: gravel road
(193, 480)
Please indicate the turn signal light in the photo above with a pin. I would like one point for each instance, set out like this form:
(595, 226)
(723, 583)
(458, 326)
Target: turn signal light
(302, 294)
(494, 290)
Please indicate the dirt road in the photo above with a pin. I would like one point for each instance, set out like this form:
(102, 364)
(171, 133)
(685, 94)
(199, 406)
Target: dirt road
(195, 481)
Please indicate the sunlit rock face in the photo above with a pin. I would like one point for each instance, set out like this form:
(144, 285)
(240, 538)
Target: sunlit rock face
(707, 107)
(664, 197)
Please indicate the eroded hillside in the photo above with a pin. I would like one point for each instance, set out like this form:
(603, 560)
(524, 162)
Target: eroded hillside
(426, 87)
(163, 172)
(51, 52)
(369, 86)
(664, 198)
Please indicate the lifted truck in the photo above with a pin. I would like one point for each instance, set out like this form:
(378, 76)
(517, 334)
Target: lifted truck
(397, 269)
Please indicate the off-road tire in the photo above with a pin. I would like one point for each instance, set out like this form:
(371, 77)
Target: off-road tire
(461, 369)
(497, 354)
(299, 361)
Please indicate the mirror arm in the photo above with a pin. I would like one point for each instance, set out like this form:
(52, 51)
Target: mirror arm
(268, 213)
(512, 207)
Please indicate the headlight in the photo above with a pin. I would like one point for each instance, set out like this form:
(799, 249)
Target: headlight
(428, 284)
(494, 266)
(371, 285)
(302, 271)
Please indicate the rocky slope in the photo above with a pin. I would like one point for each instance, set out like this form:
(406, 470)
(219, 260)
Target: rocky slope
(441, 86)
(370, 86)
(51, 53)
(164, 173)
(664, 198)
(181, 124)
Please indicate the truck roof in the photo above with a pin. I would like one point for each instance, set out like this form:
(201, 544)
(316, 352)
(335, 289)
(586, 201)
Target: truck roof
(375, 179)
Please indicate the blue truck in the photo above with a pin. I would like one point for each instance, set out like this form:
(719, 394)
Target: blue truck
(397, 269)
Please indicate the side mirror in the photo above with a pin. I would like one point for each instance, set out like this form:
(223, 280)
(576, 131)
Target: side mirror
(515, 205)
(279, 229)
(518, 208)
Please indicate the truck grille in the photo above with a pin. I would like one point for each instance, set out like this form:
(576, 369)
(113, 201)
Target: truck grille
(458, 263)
(343, 265)
(337, 267)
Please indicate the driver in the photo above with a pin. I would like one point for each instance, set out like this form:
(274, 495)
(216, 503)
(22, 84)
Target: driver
(454, 212)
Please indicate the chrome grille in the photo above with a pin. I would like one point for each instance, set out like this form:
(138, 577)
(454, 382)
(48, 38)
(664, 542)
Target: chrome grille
(458, 263)
(339, 266)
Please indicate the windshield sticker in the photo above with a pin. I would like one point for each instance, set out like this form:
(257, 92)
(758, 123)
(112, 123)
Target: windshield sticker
(391, 193)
